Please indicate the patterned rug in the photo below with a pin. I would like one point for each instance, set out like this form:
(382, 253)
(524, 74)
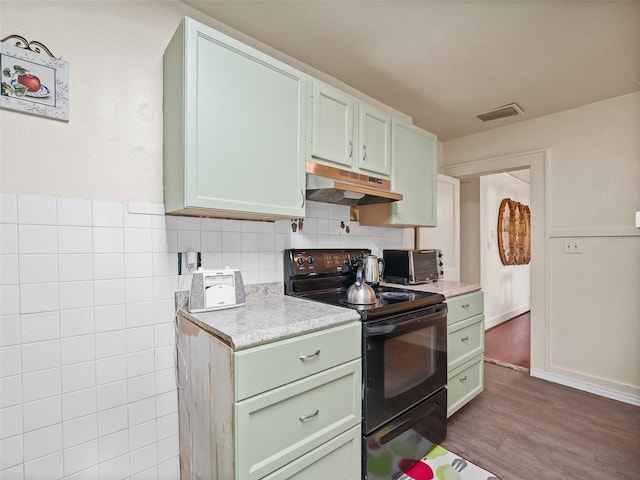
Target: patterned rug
(440, 464)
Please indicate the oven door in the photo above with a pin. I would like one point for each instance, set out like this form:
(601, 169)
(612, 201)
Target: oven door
(393, 449)
(404, 362)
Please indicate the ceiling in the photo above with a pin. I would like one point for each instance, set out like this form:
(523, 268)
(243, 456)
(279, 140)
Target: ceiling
(443, 62)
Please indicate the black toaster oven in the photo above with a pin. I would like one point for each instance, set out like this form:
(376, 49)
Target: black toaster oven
(409, 267)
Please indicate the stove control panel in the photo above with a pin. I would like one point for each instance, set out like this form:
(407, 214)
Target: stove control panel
(322, 261)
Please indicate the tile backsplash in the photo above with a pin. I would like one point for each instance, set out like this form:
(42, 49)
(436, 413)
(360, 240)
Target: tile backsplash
(87, 380)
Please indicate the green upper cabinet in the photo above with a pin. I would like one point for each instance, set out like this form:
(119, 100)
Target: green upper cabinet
(414, 174)
(234, 129)
(332, 120)
(374, 140)
(348, 133)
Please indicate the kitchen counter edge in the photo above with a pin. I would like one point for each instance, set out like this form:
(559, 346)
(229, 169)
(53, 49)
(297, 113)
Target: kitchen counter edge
(268, 317)
(448, 288)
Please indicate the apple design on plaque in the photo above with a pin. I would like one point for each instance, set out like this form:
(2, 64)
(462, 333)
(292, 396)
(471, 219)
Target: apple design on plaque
(26, 83)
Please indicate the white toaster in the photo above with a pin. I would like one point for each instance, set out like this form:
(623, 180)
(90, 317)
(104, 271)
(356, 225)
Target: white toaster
(215, 290)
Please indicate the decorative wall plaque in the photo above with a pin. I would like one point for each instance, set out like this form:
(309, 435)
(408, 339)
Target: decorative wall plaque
(514, 232)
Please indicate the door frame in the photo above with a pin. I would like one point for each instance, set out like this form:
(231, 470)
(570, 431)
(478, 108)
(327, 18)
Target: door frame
(538, 163)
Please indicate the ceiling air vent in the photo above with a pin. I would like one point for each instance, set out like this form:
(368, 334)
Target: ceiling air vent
(501, 112)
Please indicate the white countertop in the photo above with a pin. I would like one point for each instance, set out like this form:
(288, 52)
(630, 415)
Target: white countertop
(447, 288)
(268, 317)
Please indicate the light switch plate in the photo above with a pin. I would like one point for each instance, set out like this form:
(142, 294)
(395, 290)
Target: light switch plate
(637, 219)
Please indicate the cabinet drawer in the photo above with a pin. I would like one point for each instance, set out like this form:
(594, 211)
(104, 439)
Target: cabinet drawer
(338, 459)
(277, 427)
(464, 306)
(465, 340)
(464, 383)
(275, 364)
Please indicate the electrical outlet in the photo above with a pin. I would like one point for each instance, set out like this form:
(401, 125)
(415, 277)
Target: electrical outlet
(188, 262)
(572, 245)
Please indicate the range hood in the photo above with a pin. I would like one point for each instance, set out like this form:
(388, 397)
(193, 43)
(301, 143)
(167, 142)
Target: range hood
(334, 185)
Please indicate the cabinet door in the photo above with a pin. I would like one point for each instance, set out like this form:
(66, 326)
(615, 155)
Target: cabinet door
(374, 140)
(332, 125)
(243, 127)
(414, 159)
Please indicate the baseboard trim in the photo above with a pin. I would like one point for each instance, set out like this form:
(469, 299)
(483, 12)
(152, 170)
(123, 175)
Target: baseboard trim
(587, 387)
(503, 317)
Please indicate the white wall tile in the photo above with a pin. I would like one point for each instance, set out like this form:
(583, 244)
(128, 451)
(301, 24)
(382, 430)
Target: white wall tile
(111, 369)
(164, 240)
(9, 239)
(210, 224)
(108, 266)
(232, 259)
(142, 411)
(49, 466)
(166, 403)
(38, 268)
(150, 473)
(12, 452)
(167, 425)
(38, 297)
(212, 260)
(141, 387)
(251, 277)
(141, 363)
(231, 225)
(42, 413)
(115, 469)
(79, 430)
(138, 265)
(40, 355)
(110, 317)
(77, 349)
(8, 208)
(137, 240)
(107, 214)
(211, 241)
(188, 223)
(36, 239)
(74, 212)
(109, 344)
(40, 326)
(140, 338)
(231, 242)
(136, 220)
(78, 376)
(139, 289)
(168, 448)
(139, 314)
(10, 391)
(9, 300)
(142, 435)
(73, 267)
(11, 421)
(76, 322)
(79, 403)
(164, 311)
(113, 445)
(90, 473)
(41, 384)
(250, 241)
(9, 330)
(164, 334)
(112, 420)
(164, 264)
(164, 288)
(143, 459)
(76, 294)
(75, 240)
(108, 240)
(10, 360)
(80, 457)
(9, 270)
(165, 380)
(108, 292)
(112, 395)
(189, 241)
(37, 210)
(165, 357)
(169, 469)
(250, 261)
(267, 242)
(43, 442)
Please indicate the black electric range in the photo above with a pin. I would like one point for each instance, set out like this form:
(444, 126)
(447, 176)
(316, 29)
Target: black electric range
(324, 275)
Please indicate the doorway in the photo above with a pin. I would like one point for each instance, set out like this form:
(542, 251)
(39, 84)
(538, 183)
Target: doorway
(537, 162)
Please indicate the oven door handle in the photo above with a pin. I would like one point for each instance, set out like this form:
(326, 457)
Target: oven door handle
(386, 329)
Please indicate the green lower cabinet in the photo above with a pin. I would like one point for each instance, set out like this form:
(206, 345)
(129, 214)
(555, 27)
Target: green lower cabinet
(464, 383)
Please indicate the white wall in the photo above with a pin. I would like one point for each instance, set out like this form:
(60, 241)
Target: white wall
(591, 191)
(470, 230)
(87, 385)
(506, 287)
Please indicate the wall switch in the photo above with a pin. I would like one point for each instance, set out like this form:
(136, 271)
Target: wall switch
(572, 245)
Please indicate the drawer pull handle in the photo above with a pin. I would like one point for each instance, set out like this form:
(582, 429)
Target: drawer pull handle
(311, 356)
(465, 339)
(305, 418)
(465, 306)
(463, 379)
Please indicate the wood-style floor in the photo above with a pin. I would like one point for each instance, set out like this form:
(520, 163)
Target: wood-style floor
(510, 342)
(524, 428)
